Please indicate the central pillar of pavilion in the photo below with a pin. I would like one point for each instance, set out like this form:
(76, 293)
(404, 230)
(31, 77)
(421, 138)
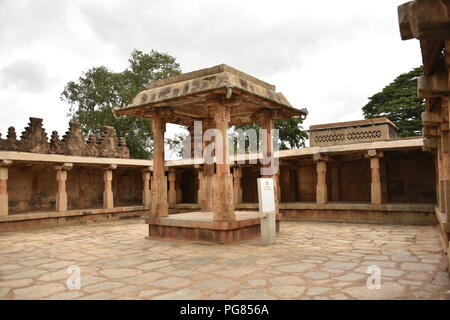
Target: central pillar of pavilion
(218, 98)
(223, 203)
(159, 206)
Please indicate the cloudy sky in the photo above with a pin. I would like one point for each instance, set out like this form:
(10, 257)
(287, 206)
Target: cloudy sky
(328, 56)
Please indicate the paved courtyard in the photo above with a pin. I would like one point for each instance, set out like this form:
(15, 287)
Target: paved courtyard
(309, 261)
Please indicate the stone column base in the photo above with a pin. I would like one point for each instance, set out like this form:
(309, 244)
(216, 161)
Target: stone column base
(188, 227)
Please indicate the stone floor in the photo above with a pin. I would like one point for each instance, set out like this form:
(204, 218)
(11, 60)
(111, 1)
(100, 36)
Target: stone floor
(309, 261)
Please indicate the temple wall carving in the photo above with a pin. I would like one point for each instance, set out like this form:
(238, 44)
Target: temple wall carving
(34, 139)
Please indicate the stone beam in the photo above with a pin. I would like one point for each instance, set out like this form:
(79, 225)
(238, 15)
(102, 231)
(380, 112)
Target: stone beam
(432, 86)
(431, 118)
(424, 19)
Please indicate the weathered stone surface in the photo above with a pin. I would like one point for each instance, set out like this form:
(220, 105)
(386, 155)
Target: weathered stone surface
(287, 291)
(386, 292)
(103, 286)
(317, 275)
(340, 265)
(285, 280)
(217, 285)
(183, 294)
(39, 291)
(34, 139)
(317, 290)
(123, 241)
(120, 273)
(418, 266)
(351, 276)
(107, 143)
(296, 267)
(171, 282)
(252, 294)
(73, 141)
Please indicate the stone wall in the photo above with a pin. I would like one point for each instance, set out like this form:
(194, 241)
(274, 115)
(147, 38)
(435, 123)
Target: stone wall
(354, 181)
(33, 187)
(411, 177)
(34, 139)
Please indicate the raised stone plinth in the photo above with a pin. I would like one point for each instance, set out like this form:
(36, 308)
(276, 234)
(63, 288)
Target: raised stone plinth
(200, 227)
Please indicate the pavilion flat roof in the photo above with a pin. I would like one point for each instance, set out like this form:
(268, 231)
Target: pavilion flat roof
(192, 96)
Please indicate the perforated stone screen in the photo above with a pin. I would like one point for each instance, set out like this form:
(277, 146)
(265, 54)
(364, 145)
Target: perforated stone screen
(378, 129)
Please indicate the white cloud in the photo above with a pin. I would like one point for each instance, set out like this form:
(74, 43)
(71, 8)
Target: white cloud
(329, 56)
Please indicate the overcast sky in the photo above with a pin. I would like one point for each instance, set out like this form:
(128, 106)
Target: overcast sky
(328, 56)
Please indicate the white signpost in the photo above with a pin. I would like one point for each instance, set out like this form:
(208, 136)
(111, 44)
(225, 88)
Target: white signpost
(266, 195)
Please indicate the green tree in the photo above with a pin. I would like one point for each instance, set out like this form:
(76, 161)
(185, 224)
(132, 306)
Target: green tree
(97, 91)
(290, 133)
(399, 103)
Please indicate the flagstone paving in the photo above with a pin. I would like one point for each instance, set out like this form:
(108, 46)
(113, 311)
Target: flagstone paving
(309, 261)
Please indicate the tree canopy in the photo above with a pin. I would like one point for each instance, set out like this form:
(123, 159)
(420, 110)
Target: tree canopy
(97, 91)
(290, 133)
(399, 103)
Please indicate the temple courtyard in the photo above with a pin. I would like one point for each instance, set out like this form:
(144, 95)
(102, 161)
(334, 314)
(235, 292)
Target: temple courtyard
(311, 260)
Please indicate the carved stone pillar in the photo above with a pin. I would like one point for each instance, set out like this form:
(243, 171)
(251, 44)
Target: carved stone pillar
(207, 188)
(108, 197)
(375, 185)
(61, 178)
(159, 206)
(237, 185)
(321, 187)
(4, 164)
(172, 189)
(223, 180)
(146, 192)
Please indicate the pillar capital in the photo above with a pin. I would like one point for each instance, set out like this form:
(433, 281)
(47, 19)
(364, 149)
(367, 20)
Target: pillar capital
(374, 154)
(110, 167)
(321, 157)
(64, 166)
(147, 169)
(172, 174)
(5, 163)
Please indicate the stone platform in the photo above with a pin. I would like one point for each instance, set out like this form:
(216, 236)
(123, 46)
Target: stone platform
(200, 227)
